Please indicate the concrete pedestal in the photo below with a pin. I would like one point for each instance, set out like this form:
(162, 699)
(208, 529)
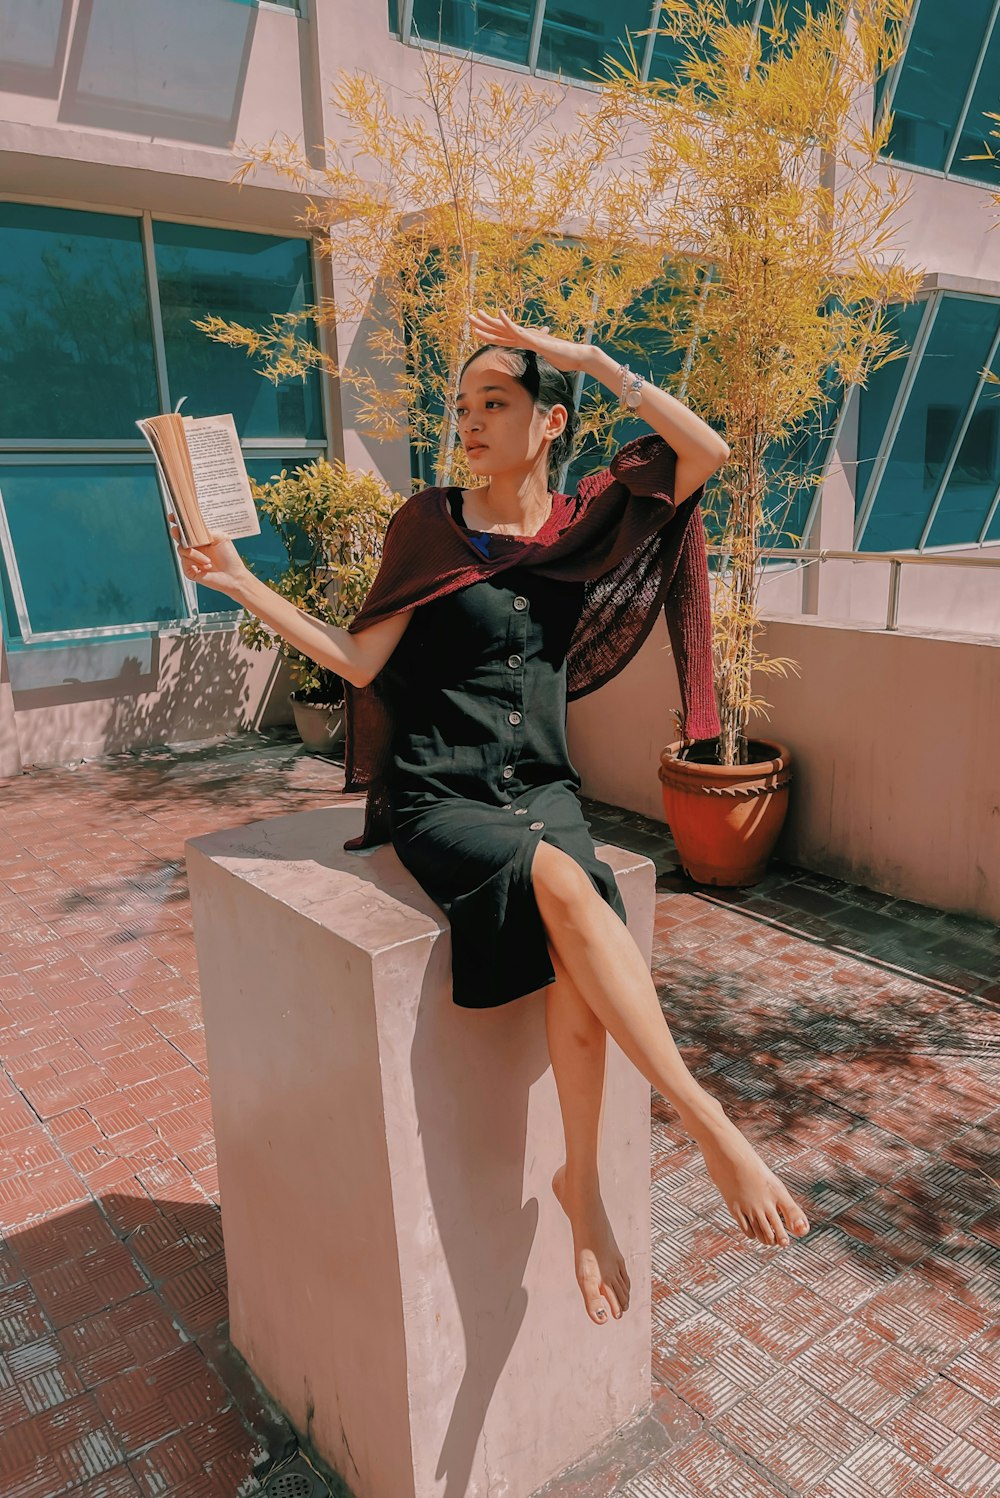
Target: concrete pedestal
(401, 1277)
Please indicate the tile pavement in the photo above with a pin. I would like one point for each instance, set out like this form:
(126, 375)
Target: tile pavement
(855, 1036)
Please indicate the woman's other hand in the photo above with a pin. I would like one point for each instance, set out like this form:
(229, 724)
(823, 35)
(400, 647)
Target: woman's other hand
(502, 332)
(217, 565)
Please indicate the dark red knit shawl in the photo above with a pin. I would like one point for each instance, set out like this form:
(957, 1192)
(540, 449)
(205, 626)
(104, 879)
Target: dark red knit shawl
(621, 535)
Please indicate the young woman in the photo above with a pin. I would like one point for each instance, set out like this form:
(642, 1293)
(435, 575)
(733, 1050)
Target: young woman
(482, 796)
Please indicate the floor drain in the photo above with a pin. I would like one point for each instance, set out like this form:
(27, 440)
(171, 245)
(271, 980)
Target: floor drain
(295, 1480)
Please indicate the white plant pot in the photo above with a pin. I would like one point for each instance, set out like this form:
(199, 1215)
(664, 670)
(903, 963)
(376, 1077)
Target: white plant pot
(321, 728)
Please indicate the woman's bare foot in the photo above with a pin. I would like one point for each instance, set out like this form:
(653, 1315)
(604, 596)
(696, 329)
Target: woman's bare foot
(600, 1268)
(762, 1207)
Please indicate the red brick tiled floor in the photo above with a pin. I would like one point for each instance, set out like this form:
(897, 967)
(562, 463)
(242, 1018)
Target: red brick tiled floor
(856, 1037)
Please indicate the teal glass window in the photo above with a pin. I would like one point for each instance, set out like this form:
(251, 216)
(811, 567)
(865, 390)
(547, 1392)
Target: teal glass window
(976, 131)
(669, 51)
(86, 543)
(795, 13)
(974, 479)
(935, 75)
(245, 278)
(264, 553)
(91, 545)
(795, 468)
(590, 453)
(578, 34)
(76, 348)
(945, 385)
(646, 350)
(667, 55)
(575, 39)
(877, 399)
(492, 30)
(425, 368)
(451, 22)
(424, 460)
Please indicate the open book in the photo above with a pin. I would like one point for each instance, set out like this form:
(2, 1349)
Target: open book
(203, 478)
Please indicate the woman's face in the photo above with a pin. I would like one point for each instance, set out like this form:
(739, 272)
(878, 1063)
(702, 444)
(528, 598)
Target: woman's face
(498, 424)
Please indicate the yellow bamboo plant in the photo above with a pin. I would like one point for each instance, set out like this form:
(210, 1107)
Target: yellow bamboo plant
(475, 196)
(750, 186)
(777, 217)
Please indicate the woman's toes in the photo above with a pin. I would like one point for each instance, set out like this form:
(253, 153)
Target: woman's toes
(789, 1217)
(793, 1219)
(612, 1300)
(777, 1227)
(765, 1231)
(593, 1298)
(798, 1222)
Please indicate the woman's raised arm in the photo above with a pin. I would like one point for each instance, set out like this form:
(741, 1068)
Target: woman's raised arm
(356, 657)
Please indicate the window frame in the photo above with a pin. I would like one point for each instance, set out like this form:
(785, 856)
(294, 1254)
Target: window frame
(64, 451)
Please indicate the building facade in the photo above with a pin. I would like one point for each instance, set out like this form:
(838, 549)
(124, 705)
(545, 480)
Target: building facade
(120, 128)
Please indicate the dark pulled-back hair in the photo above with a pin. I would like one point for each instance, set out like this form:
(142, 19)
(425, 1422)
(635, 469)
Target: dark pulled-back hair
(547, 387)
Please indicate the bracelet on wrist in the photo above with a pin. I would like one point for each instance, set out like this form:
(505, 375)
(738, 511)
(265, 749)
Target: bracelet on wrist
(631, 391)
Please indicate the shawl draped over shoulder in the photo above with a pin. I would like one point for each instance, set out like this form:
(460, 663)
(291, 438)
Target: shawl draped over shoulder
(621, 534)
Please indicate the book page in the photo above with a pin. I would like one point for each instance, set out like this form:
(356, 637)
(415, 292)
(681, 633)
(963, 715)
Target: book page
(165, 435)
(220, 476)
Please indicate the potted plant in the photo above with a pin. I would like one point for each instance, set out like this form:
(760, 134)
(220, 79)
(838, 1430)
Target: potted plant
(332, 523)
(776, 230)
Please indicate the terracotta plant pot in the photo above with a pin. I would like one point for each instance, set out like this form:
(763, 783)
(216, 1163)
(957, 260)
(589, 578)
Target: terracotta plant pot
(320, 726)
(725, 819)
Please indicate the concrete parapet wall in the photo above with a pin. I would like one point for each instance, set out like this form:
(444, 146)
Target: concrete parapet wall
(894, 739)
(78, 701)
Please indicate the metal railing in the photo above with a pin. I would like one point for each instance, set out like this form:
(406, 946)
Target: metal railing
(896, 560)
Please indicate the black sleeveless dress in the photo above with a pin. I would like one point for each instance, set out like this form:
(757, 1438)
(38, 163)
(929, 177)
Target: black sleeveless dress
(481, 771)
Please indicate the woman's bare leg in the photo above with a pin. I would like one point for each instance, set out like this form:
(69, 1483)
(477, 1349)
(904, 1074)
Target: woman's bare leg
(600, 954)
(578, 1049)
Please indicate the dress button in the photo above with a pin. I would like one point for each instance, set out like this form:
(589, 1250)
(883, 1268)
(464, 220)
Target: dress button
(536, 826)
(505, 806)
(513, 661)
(514, 718)
(520, 603)
(520, 811)
(508, 771)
